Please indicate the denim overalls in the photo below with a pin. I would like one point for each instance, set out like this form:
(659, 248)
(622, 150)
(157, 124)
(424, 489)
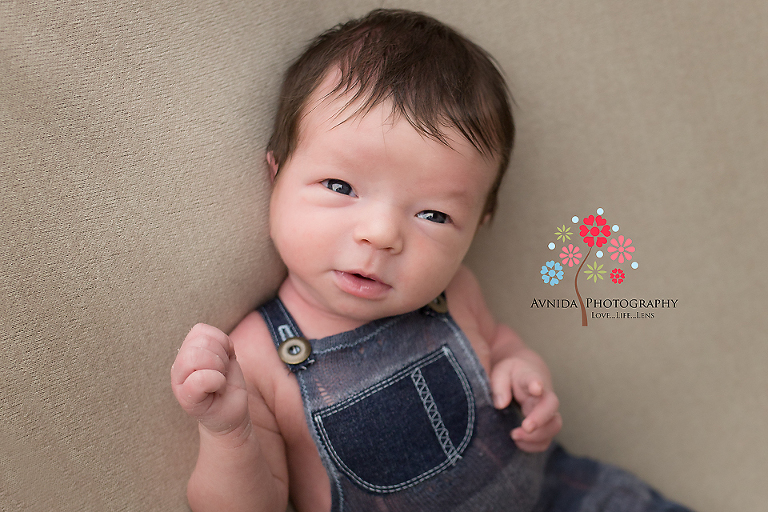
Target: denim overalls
(400, 410)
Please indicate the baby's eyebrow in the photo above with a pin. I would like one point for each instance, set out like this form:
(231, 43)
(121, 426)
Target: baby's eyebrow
(456, 197)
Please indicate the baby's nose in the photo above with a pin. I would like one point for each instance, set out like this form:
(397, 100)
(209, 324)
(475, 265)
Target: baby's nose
(380, 227)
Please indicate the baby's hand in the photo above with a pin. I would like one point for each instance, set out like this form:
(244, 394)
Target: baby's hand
(533, 391)
(208, 381)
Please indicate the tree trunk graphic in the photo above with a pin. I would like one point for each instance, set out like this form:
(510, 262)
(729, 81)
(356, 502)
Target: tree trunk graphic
(576, 285)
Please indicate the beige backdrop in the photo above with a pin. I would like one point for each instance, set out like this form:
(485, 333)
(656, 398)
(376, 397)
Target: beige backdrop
(134, 205)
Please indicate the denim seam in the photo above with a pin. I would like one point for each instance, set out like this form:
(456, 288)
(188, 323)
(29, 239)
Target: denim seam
(435, 419)
(470, 396)
(274, 330)
(333, 474)
(285, 332)
(364, 339)
(397, 376)
(290, 322)
(268, 320)
(444, 351)
(470, 356)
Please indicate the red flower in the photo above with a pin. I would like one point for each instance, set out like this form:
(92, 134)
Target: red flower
(592, 228)
(617, 276)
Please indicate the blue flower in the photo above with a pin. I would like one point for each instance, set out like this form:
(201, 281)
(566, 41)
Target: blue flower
(552, 273)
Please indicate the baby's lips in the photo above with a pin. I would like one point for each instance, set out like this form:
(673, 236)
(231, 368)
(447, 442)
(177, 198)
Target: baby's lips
(362, 285)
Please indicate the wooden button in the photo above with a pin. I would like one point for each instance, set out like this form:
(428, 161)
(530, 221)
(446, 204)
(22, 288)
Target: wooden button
(439, 305)
(294, 350)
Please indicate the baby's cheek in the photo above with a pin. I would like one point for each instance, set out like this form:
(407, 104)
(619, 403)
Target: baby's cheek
(434, 272)
(301, 246)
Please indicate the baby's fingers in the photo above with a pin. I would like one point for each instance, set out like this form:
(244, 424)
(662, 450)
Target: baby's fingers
(204, 348)
(207, 381)
(501, 384)
(198, 388)
(527, 385)
(535, 388)
(539, 439)
(542, 412)
(201, 367)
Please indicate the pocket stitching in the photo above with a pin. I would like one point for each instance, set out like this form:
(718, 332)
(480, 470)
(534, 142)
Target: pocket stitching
(435, 418)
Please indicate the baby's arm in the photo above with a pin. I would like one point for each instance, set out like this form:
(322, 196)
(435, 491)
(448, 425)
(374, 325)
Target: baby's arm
(515, 370)
(241, 464)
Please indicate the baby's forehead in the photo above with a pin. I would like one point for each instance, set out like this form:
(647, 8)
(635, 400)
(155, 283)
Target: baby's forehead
(331, 104)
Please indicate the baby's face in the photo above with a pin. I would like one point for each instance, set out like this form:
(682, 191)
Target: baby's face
(372, 218)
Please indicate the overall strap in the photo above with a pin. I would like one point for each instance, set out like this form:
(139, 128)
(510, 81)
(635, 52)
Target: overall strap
(292, 347)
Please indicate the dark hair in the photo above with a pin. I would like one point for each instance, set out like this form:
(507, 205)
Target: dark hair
(435, 77)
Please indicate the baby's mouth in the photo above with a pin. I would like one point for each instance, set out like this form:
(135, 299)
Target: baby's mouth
(362, 285)
(367, 277)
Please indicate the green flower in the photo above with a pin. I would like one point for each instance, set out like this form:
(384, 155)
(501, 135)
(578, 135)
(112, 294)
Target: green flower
(563, 233)
(595, 272)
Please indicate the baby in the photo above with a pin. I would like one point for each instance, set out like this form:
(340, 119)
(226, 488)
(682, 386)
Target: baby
(377, 379)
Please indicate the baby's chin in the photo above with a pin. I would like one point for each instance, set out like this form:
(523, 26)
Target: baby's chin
(364, 311)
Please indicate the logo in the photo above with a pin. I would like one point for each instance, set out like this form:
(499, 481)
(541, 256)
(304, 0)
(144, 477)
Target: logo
(591, 250)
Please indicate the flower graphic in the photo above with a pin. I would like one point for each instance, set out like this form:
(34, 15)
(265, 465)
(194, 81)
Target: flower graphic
(563, 233)
(551, 273)
(592, 228)
(621, 249)
(591, 261)
(595, 272)
(571, 255)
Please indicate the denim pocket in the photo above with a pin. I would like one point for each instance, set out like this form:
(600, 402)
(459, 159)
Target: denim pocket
(410, 426)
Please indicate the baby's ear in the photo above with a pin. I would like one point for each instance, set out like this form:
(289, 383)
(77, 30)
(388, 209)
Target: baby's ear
(272, 166)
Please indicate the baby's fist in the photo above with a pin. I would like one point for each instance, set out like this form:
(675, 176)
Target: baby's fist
(208, 382)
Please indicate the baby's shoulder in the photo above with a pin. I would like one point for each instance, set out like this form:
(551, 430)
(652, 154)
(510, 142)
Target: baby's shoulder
(464, 292)
(265, 374)
(275, 404)
(467, 307)
(464, 280)
(253, 342)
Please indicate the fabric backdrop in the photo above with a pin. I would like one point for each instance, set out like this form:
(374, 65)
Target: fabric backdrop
(134, 204)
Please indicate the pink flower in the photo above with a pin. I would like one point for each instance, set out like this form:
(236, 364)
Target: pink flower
(571, 255)
(618, 276)
(621, 249)
(591, 230)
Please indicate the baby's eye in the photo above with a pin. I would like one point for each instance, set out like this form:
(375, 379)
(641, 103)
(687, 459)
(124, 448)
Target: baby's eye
(342, 187)
(434, 216)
